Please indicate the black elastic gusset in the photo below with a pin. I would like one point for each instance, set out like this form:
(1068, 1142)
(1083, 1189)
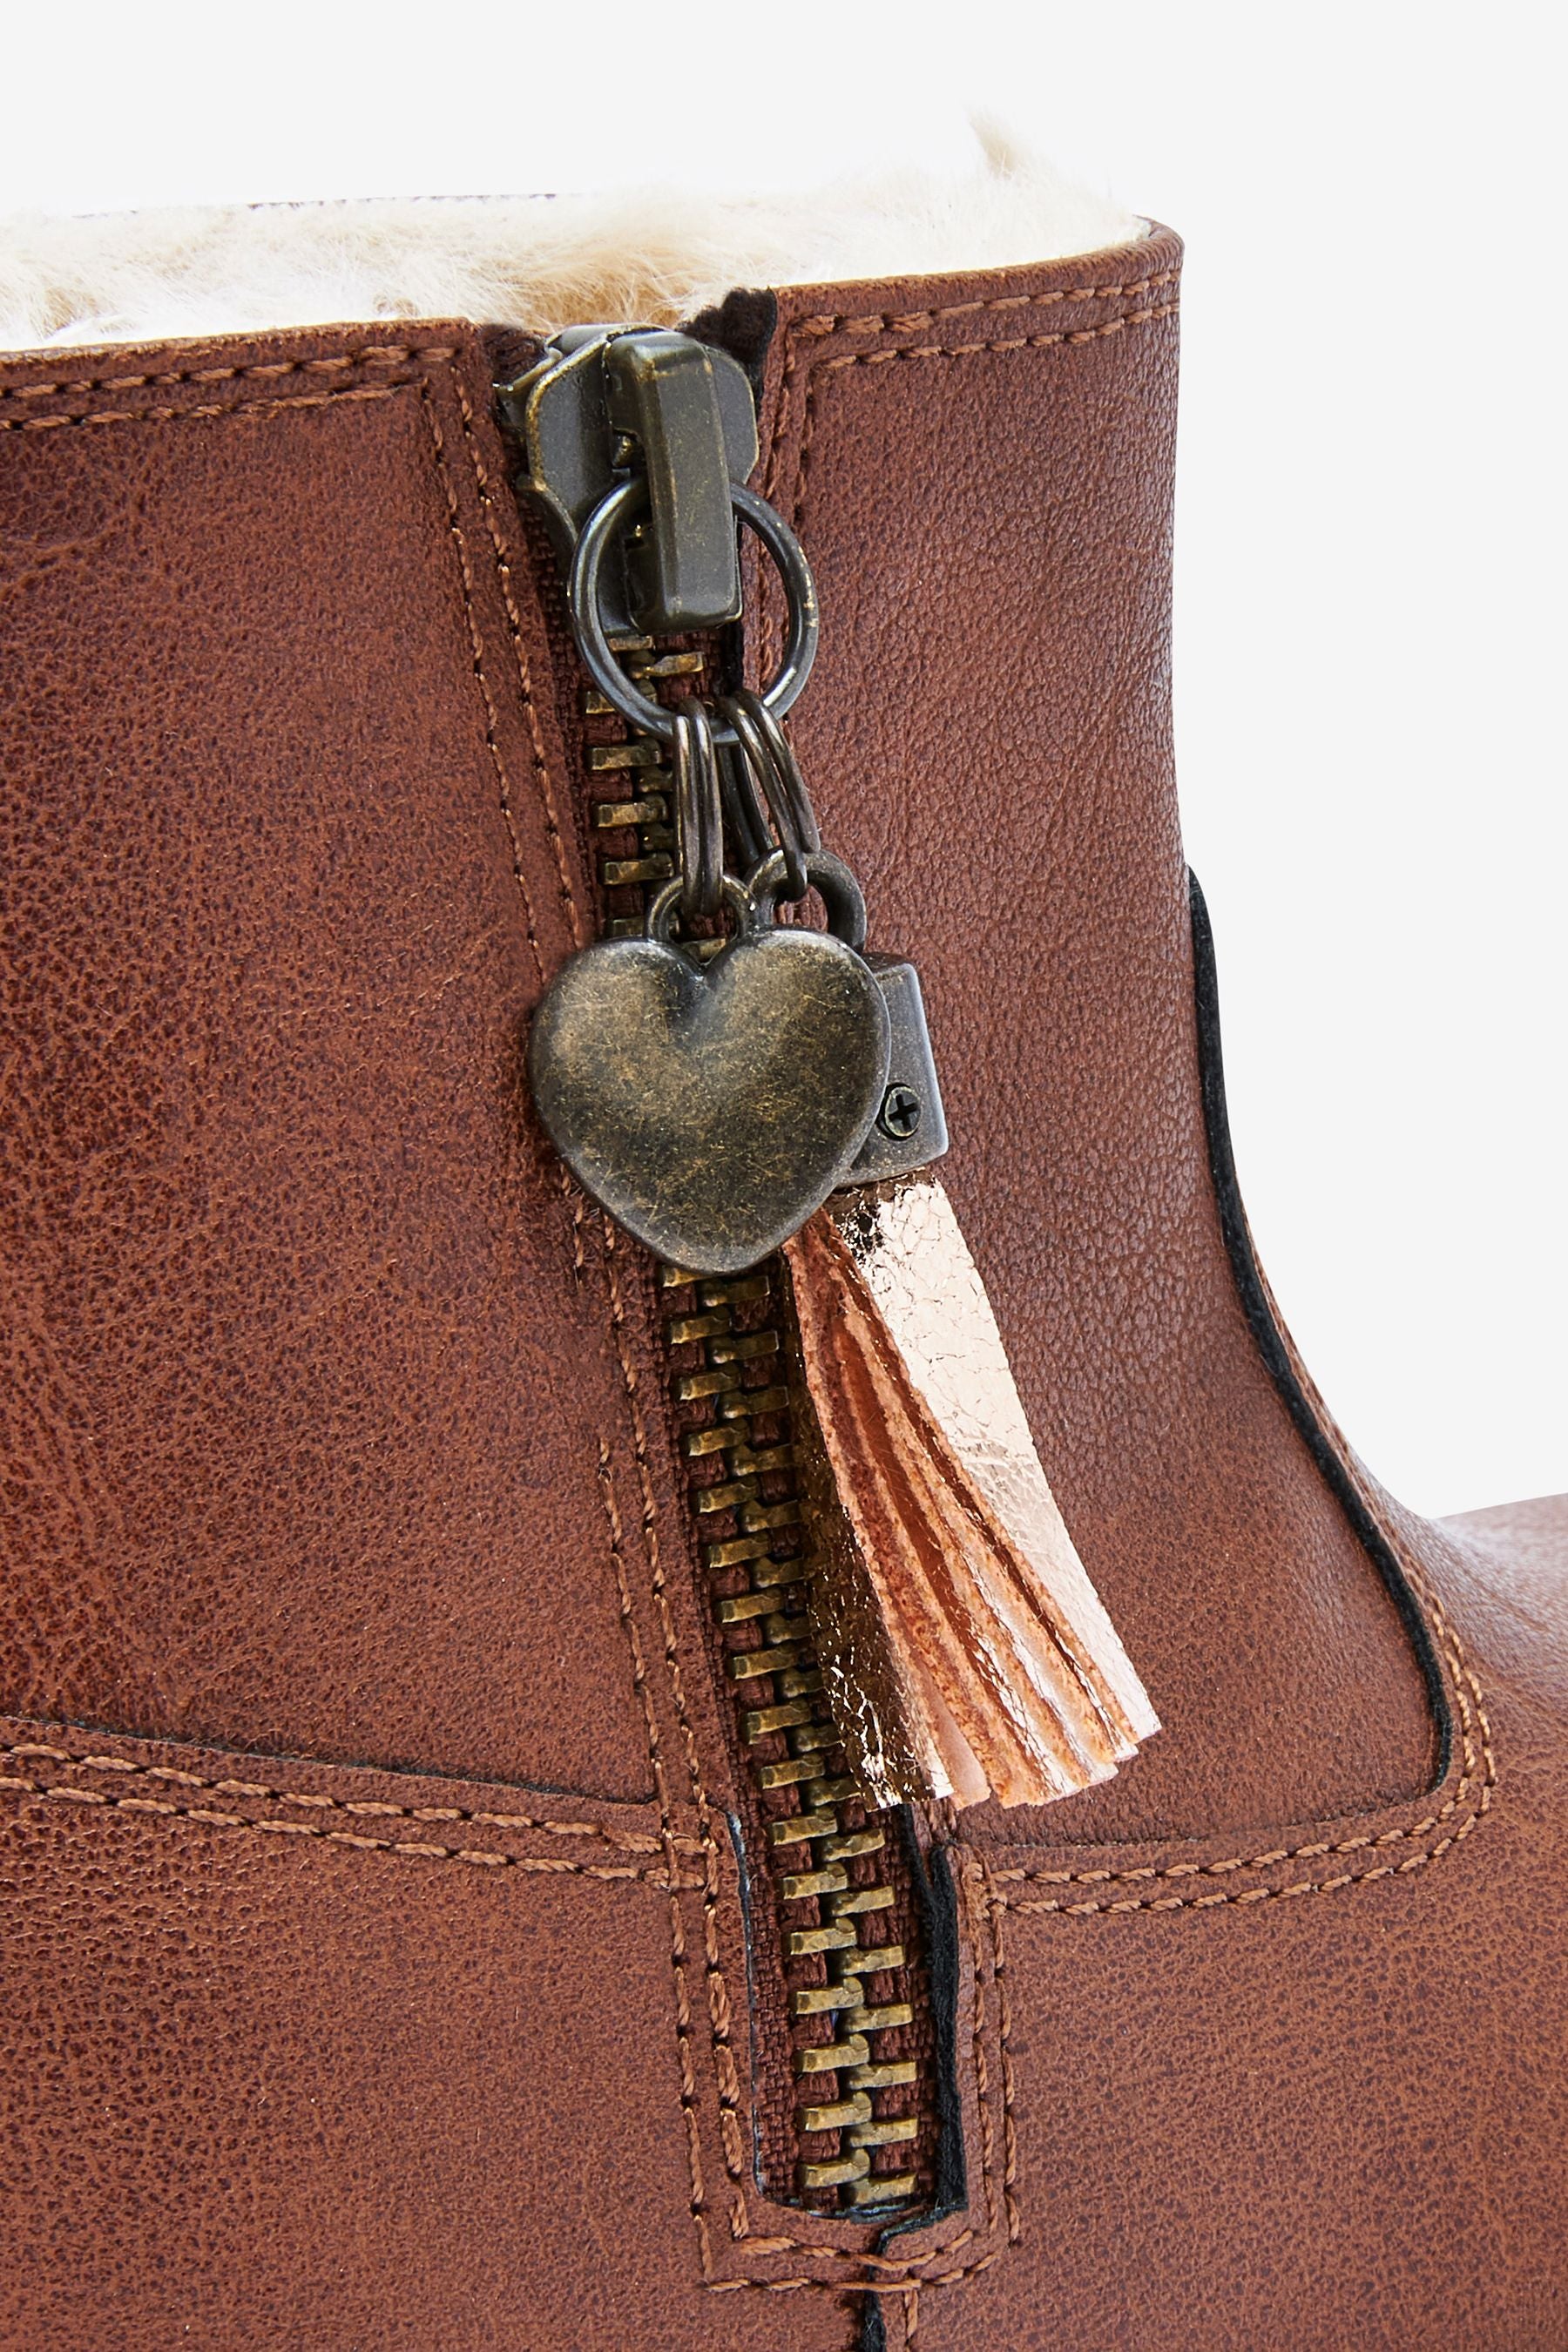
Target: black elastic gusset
(1265, 1331)
(937, 1897)
(873, 2327)
(744, 325)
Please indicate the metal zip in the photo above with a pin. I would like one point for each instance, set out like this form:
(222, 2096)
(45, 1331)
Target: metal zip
(848, 1933)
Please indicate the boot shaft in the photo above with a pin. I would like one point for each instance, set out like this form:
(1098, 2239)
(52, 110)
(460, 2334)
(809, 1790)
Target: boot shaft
(298, 822)
(340, 1430)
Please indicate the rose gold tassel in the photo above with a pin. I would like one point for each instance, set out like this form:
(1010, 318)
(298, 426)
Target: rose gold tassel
(965, 1649)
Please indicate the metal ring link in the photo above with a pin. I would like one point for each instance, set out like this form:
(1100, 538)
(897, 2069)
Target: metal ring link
(745, 812)
(699, 814)
(770, 762)
(623, 506)
(829, 878)
(665, 905)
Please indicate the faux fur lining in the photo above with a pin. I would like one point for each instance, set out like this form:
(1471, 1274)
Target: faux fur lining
(535, 262)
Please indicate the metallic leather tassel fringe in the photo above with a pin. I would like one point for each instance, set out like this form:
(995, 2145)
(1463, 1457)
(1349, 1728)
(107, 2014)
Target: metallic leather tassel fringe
(967, 1653)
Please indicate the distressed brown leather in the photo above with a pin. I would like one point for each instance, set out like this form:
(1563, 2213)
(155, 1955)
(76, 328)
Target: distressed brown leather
(333, 1434)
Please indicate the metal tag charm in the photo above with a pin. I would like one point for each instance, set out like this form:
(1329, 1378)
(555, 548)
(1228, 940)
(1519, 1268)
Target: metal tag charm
(910, 1129)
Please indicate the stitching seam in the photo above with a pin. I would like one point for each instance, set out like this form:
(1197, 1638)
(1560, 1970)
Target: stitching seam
(719, 2010)
(268, 370)
(891, 2273)
(570, 1191)
(677, 1925)
(476, 654)
(167, 415)
(720, 2014)
(1473, 1789)
(999, 343)
(626, 1841)
(1468, 1787)
(555, 1865)
(525, 683)
(912, 321)
(1065, 336)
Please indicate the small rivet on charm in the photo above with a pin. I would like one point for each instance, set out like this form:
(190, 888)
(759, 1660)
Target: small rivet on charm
(900, 1113)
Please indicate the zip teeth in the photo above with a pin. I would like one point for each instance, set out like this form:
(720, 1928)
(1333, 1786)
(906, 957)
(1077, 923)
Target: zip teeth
(858, 1841)
(738, 1553)
(768, 1575)
(756, 1723)
(754, 1401)
(853, 2114)
(618, 817)
(698, 1385)
(644, 752)
(827, 2057)
(786, 1775)
(800, 1942)
(796, 1885)
(882, 2188)
(619, 870)
(873, 1957)
(834, 1792)
(847, 2173)
(745, 1350)
(813, 2001)
(795, 1827)
(860, 1900)
(697, 1327)
(667, 666)
(880, 2020)
(726, 1334)
(893, 2075)
(869, 2134)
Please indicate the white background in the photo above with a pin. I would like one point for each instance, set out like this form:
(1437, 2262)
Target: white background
(1371, 524)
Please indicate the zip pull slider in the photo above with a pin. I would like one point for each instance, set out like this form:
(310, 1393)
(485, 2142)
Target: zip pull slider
(610, 404)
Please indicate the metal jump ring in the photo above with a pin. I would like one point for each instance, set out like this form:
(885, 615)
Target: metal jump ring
(659, 920)
(624, 503)
(745, 812)
(830, 878)
(771, 762)
(699, 814)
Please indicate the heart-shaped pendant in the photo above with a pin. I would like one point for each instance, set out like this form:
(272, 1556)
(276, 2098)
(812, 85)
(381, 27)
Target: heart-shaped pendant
(711, 1110)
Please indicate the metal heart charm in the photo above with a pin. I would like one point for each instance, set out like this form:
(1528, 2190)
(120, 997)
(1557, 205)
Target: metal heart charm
(711, 1111)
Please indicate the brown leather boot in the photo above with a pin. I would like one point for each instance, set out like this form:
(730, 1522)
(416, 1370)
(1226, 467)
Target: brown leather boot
(414, 1922)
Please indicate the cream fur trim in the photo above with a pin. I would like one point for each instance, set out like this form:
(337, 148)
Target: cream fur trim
(534, 262)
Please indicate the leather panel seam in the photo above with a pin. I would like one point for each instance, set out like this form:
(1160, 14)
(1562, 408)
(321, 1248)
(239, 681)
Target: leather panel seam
(718, 1996)
(1463, 1809)
(570, 1193)
(624, 1841)
(416, 1849)
(718, 2002)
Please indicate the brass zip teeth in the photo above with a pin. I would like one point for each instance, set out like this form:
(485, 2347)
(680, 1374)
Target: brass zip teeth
(856, 2096)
